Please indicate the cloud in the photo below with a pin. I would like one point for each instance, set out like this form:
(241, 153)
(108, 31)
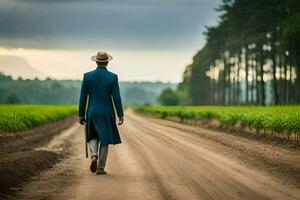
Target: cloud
(115, 1)
(133, 24)
(48, 1)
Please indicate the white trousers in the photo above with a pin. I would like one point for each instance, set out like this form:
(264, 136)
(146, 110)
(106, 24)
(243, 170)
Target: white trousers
(99, 150)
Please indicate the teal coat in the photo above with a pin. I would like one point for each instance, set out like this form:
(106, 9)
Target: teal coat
(101, 88)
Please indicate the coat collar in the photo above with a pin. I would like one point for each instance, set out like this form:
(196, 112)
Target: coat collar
(101, 68)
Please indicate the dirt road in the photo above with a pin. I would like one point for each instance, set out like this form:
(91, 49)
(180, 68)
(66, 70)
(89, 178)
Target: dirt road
(159, 159)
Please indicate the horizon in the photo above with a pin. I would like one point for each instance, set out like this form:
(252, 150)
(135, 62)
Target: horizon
(53, 79)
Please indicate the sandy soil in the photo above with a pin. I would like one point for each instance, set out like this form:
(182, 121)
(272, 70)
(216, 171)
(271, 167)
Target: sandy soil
(27, 140)
(159, 159)
(20, 159)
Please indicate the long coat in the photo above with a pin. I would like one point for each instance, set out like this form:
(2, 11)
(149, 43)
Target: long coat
(100, 89)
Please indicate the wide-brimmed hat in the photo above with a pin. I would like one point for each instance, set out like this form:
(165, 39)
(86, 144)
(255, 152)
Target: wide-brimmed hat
(101, 56)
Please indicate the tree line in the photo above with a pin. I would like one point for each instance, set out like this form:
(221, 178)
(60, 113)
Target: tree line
(27, 91)
(51, 91)
(252, 57)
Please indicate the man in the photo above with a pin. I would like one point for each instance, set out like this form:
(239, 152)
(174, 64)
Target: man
(101, 88)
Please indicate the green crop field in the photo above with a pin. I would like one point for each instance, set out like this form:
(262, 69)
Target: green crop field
(279, 120)
(21, 117)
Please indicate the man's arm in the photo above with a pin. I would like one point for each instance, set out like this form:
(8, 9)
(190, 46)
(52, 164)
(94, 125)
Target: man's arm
(82, 101)
(117, 100)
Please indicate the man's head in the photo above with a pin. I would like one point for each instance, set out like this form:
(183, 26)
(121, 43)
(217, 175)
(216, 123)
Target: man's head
(102, 58)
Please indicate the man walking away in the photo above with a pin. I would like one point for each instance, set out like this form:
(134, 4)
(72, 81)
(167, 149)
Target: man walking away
(100, 88)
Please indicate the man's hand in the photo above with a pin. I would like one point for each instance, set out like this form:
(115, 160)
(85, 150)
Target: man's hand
(82, 120)
(121, 120)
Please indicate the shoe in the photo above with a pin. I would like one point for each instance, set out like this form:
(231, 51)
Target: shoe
(101, 171)
(93, 166)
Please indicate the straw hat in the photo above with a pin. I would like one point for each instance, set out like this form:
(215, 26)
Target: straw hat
(102, 57)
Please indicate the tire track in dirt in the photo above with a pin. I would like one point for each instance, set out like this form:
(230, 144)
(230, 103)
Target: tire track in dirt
(240, 173)
(203, 186)
(144, 145)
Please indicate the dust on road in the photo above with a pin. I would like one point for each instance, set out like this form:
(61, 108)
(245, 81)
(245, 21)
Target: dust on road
(158, 161)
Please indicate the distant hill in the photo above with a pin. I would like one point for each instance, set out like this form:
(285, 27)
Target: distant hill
(16, 67)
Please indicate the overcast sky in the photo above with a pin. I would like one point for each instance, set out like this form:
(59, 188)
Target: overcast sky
(159, 34)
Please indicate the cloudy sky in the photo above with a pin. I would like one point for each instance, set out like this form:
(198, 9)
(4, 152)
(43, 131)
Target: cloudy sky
(149, 39)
